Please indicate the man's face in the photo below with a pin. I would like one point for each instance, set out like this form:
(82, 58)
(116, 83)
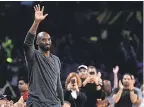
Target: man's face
(82, 73)
(44, 42)
(92, 72)
(126, 80)
(22, 86)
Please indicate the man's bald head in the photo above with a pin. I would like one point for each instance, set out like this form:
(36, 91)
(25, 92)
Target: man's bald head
(107, 82)
(41, 35)
(107, 86)
(44, 41)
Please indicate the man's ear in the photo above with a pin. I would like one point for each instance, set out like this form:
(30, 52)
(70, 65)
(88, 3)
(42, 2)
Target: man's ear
(37, 42)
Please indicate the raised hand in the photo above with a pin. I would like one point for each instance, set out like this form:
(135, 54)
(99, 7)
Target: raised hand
(94, 79)
(116, 69)
(88, 79)
(76, 87)
(99, 74)
(69, 86)
(131, 85)
(120, 85)
(39, 13)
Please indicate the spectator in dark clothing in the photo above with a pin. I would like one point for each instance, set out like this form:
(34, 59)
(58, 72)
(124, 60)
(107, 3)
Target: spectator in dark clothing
(72, 93)
(125, 95)
(92, 87)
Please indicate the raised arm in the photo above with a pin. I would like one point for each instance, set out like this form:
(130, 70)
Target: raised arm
(38, 18)
(133, 95)
(115, 71)
(117, 96)
(29, 40)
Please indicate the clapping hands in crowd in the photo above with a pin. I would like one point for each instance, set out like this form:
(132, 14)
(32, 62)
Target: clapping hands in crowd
(20, 103)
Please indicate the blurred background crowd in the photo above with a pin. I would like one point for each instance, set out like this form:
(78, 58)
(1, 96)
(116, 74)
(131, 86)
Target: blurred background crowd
(102, 34)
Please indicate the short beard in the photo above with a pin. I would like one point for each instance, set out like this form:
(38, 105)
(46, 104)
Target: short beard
(126, 85)
(45, 49)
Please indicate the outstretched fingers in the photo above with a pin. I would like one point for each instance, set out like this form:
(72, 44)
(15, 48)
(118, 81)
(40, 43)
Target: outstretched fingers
(45, 15)
(42, 8)
(37, 7)
(34, 8)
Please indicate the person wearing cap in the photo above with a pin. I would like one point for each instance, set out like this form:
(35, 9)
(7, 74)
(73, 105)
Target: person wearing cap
(82, 72)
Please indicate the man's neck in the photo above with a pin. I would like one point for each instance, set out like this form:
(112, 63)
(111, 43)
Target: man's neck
(45, 53)
(22, 92)
(126, 87)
